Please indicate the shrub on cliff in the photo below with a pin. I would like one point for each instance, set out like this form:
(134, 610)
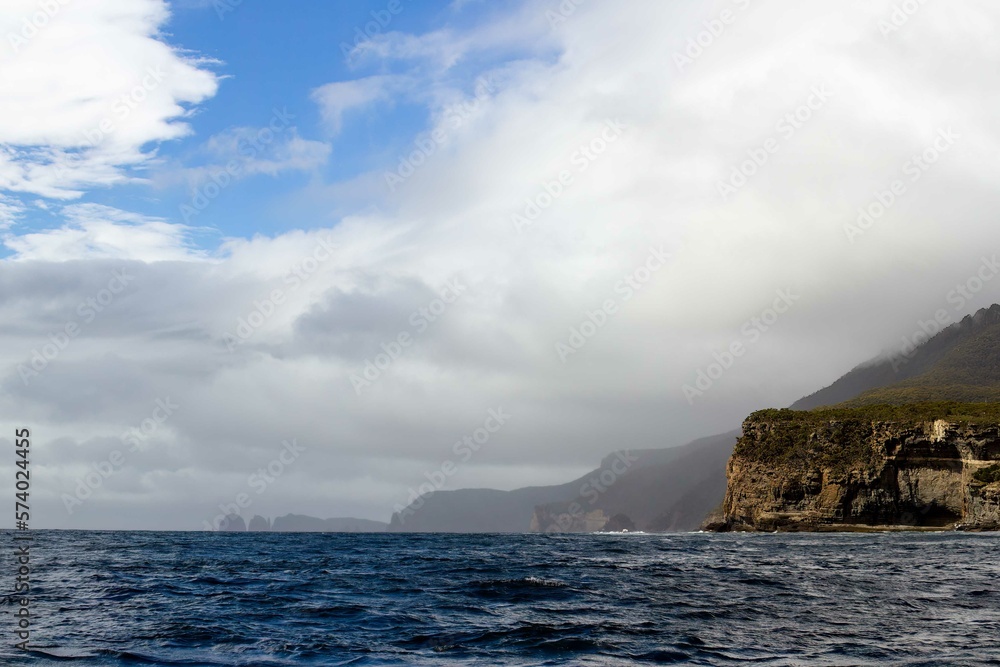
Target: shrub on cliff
(805, 438)
(988, 475)
(843, 438)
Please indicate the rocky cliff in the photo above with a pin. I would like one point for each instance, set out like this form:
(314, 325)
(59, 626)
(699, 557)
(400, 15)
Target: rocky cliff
(233, 523)
(259, 524)
(931, 466)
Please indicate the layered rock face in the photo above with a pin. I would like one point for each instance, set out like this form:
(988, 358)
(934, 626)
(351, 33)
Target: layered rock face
(801, 471)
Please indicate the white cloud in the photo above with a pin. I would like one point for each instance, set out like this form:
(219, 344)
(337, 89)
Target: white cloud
(10, 210)
(73, 116)
(336, 99)
(250, 146)
(102, 232)
(242, 152)
(519, 30)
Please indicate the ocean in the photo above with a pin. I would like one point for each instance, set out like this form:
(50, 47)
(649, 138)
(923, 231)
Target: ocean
(167, 598)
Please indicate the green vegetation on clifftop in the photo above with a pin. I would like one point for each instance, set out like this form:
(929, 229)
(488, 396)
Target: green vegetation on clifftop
(805, 436)
(952, 411)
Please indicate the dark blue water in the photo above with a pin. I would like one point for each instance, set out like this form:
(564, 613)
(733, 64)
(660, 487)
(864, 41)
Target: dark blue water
(312, 599)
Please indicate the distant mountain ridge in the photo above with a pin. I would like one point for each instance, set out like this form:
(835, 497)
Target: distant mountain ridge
(655, 489)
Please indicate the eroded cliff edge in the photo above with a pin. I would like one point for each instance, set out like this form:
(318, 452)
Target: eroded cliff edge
(926, 466)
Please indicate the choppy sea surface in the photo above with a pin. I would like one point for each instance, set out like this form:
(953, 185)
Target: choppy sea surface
(148, 598)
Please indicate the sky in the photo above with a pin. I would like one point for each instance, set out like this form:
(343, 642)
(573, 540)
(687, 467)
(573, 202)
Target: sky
(306, 254)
